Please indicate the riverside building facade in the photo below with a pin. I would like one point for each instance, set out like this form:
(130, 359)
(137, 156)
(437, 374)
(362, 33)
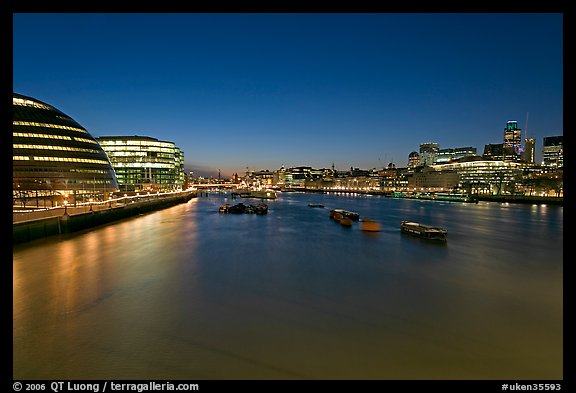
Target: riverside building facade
(55, 160)
(488, 177)
(144, 163)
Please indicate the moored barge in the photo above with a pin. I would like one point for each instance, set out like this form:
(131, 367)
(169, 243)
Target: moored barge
(424, 231)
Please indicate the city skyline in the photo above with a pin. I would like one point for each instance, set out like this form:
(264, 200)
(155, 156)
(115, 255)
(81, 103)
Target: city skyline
(258, 91)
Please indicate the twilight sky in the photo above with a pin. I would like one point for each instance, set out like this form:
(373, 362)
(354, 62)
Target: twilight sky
(269, 89)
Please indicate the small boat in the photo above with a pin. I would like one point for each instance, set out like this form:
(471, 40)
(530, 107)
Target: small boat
(261, 194)
(368, 225)
(423, 231)
(345, 213)
(241, 208)
(261, 208)
(345, 221)
(315, 205)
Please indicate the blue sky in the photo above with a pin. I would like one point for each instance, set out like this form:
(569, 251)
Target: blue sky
(258, 91)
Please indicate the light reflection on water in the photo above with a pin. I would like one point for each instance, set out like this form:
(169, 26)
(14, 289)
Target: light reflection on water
(189, 293)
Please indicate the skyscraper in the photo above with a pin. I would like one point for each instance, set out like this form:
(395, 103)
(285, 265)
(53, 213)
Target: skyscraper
(428, 153)
(513, 135)
(528, 154)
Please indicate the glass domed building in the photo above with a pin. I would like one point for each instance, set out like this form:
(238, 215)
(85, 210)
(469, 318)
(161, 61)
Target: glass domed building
(54, 158)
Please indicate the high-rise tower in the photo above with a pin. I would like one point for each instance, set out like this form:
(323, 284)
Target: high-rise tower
(528, 154)
(513, 136)
(428, 153)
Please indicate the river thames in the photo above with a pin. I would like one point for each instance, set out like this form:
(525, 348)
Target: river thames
(190, 293)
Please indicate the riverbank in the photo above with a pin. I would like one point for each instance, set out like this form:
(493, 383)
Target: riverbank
(540, 200)
(522, 199)
(73, 220)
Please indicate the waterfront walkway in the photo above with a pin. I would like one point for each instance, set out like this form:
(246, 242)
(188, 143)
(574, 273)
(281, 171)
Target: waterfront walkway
(37, 224)
(32, 214)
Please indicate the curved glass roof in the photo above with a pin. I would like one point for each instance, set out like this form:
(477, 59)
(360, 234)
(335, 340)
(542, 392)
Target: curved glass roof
(51, 151)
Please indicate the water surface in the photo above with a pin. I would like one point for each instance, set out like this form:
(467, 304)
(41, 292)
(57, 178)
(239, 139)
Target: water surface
(189, 293)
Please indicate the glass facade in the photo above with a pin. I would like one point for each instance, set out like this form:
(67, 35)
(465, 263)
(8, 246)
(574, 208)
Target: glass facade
(145, 164)
(448, 155)
(413, 159)
(513, 136)
(485, 177)
(553, 151)
(500, 152)
(54, 158)
(528, 154)
(428, 153)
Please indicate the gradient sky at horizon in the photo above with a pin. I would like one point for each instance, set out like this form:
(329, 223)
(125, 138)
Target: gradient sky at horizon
(258, 91)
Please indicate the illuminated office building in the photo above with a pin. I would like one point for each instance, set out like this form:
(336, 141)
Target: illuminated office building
(445, 156)
(143, 163)
(528, 154)
(428, 153)
(413, 159)
(513, 135)
(500, 152)
(55, 159)
(553, 151)
(485, 176)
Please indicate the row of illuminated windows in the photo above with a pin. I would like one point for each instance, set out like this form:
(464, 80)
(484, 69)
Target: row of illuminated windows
(133, 162)
(139, 153)
(126, 154)
(488, 175)
(122, 143)
(144, 174)
(478, 174)
(52, 147)
(128, 149)
(85, 183)
(79, 171)
(479, 165)
(143, 160)
(24, 102)
(481, 170)
(142, 165)
(47, 125)
(85, 140)
(52, 136)
(146, 182)
(139, 175)
(66, 159)
(494, 176)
